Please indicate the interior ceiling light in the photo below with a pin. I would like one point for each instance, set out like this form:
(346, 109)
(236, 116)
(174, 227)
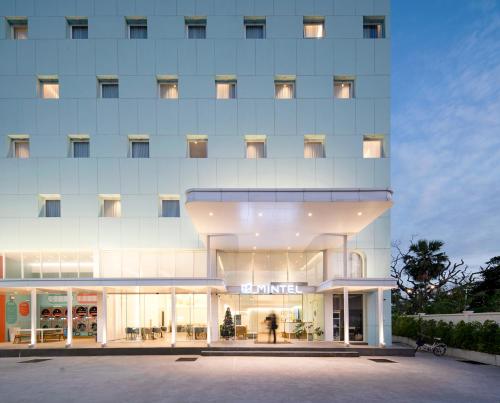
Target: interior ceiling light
(254, 248)
(260, 214)
(360, 213)
(297, 234)
(310, 214)
(210, 214)
(257, 234)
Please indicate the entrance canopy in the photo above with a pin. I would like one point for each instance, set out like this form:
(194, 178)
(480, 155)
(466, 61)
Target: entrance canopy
(299, 219)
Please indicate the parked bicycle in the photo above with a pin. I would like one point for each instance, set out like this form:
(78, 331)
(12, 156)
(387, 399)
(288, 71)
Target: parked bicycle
(437, 347)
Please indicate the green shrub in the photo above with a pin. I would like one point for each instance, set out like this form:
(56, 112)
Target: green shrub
(468, 336)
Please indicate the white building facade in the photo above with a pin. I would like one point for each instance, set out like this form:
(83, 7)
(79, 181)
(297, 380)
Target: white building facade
(164, 161)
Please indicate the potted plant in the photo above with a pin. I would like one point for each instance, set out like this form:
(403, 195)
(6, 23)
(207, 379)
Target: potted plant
(300, 330)
(318, 332)
(310, 333)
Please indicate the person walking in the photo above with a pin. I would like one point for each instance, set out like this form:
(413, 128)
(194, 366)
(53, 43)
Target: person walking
(272, 325)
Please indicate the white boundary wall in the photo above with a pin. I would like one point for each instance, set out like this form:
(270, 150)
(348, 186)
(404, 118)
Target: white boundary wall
(466, 316)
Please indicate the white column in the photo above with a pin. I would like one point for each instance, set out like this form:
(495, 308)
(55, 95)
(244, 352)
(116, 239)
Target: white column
(328, 301)
(214, 335)
(346, 317)
(69, 317)
(380, 317)
(209, 317)
(174, 322)
(344, 254)
(33, 317)
(104, 314)
(209, 259)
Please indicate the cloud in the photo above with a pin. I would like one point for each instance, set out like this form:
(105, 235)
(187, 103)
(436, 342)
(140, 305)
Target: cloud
(446, 146)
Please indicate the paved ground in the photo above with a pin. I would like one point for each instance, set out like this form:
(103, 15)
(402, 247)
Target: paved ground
(247, 379)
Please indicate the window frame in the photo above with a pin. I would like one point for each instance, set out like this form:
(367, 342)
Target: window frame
(14, 24)
(256, 140)
(14, 141)
(374, 21)
(314, 138)
(43, 205)
(310, 21)
(133, 140)
(195, 22)
(345, 80)
(233, 88)
(108, 198)
(42, 81)
(78, 139)
(375, 138)
(285, 82)
(131, 25)
(255, 22)
(194, 140)
(170, 198)
(172, 81)
(108, 81)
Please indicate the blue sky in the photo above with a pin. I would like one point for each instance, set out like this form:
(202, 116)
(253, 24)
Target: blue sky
(445, 143)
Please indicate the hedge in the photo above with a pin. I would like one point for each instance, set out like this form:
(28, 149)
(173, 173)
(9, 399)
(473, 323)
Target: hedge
(473, 336)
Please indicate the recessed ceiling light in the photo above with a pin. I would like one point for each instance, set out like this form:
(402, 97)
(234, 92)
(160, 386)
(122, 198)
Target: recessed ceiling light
(360, 213)
(310, 214)
(210, 214)
(257, 234)
(289, 248)
(254, 248)
(297, 234)
(260, 214)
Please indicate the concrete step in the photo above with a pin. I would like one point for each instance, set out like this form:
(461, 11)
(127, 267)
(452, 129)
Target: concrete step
(278, 353)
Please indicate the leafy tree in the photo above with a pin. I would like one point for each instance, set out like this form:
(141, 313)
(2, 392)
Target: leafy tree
(485, 293)
(425, 276)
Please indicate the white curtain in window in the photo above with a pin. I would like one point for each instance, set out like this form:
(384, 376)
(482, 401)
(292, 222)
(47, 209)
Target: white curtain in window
(226, 90)
(168, 91)
(80, 149)
(140, 149)
(343, 90)
(112, 208)
(196, 32)
(255, 149)
(22, 149)
(255, 31)
(170, 208)
(21, 32)
(356, 265)
(313, 30)
(52, 208)
(109, 90)
(372, 148)
(284, 91)
(79, 32)
(138, 32)
(313, 149)
(50, 90)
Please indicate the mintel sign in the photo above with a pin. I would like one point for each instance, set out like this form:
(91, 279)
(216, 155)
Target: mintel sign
(271, 288)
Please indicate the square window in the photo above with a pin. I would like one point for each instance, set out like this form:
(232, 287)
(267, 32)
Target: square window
(111, 208)
(139, 148)
(168, 89)
(284, 89)
(49, 88)
(373, 27)
(196, 28)
(20, 148)
(109, 88)
(255, 27)
(138, 31)
(79, 32)
(225, 89)
(372, 147)
(197, 148)
(255, 149)
(343, 88)
(314, 27)
(170, 208)
(18, 28)
(52, 208)
(314, 147)
(80, 148)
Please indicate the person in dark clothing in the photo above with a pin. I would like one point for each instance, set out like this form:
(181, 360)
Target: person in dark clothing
(272, 325)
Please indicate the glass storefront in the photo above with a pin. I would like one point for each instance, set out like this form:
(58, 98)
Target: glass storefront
(299, 316)
(356, 319)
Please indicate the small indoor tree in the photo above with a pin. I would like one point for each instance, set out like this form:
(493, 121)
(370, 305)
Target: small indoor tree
(227, 327)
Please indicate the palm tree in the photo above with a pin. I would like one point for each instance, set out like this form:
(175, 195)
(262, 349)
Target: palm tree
(425, 260)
